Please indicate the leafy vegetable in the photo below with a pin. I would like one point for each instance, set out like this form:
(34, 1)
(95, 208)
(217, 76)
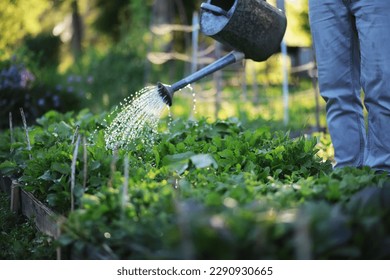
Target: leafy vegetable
(204, 191)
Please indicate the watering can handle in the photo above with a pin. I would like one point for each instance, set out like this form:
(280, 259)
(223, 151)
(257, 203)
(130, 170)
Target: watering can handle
(214, 9)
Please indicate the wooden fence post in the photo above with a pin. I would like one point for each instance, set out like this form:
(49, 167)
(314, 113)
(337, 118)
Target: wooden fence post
(15, 197)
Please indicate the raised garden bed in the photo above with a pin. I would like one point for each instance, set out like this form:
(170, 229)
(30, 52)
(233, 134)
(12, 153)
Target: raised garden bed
(23, 202)
(203, 191)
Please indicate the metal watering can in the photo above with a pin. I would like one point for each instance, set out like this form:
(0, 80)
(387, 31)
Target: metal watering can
(253, 28)
(250, 26)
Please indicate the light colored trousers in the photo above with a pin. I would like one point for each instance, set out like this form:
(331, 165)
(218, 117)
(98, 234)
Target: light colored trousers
(352, 43)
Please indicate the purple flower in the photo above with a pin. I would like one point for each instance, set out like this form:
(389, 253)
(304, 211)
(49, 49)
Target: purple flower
(56, 100)
(26, 78)
(90, 79)
(16, 76)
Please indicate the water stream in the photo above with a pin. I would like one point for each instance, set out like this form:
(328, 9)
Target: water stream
(137, 118)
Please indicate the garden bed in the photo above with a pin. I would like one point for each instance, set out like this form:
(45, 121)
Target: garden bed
(202, 191)
(23, 202)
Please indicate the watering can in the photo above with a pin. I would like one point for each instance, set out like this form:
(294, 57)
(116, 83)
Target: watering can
(254, 30)
(250, 26)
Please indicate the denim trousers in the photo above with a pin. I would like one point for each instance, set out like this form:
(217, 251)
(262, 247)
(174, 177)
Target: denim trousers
(351, 39)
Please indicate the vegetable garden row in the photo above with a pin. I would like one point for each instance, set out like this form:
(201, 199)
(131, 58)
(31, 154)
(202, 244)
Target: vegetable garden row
(202, 191)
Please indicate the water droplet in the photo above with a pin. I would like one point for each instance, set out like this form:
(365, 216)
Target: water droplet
(137, 119)
(194, 105)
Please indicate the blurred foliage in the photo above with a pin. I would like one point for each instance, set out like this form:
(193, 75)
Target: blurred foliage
(19, 239)
(20, 88)
(298, 31)
(110, 16)
(116, 39)
(45, 47)
(18, 18)
(103, 80)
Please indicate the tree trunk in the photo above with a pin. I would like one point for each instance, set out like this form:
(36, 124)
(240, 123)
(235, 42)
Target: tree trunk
(77, 33)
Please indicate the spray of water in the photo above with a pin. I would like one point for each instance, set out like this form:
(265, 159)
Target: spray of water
(137, 118)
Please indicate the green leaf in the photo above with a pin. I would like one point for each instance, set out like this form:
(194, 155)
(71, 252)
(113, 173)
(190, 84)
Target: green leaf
(180, 166)
(47, 176)
(213, 199)
(181, 146)
(203, 160)
(61, 131)
(178, 162)
(61, 167)
(217, 141)
(226, 154)
(52, 199)
(95, 181)
(8, 167)
(171, 159)
(94, 165)
(78, 191)
(157, 156)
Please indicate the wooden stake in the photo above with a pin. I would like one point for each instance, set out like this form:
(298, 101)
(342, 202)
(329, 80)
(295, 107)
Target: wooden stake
(125, 183)
(76, 133)
(85, 170)
(73, 173)
(15, 197)
(11, 130)
(113, 167)
(26, 130)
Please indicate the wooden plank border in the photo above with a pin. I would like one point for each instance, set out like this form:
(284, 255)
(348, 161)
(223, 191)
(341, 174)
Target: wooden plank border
(45, 219)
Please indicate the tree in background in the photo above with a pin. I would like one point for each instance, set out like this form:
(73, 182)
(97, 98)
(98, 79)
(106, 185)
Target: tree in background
(110, 16)
(114, 37)
(18, 19)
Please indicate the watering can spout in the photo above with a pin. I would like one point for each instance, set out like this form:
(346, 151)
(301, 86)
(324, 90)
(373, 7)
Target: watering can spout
(165, 93)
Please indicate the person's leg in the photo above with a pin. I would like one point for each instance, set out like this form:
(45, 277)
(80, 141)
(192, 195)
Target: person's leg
(373, 24)
(337, 54)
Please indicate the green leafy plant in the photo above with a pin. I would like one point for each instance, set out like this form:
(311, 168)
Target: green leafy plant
(19, 238)
(204, 191)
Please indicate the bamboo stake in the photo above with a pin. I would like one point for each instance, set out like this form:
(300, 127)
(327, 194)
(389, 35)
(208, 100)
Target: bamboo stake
(11, 131)
(85, 155)
(125, 194)
(73, 173)
(113, 167)
(76, 133)
(26, 130)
